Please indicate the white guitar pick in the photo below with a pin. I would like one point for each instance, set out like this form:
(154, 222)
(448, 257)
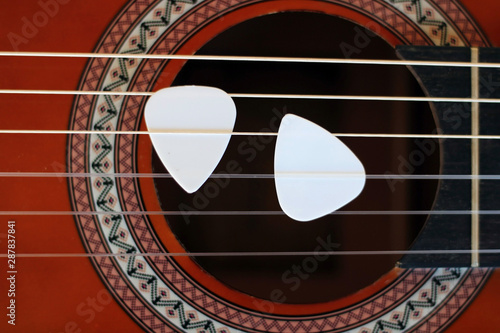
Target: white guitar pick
(190, 156)
(315, 173)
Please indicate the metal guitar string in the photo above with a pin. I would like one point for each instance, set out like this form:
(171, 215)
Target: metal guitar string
(249, 58)
(242, 175)
(169, 132)
(252, 254)
(249, 176)
(258, 95)
(248, 213)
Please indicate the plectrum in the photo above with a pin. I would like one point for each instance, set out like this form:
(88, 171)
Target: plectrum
(190, 128)
(315, 173)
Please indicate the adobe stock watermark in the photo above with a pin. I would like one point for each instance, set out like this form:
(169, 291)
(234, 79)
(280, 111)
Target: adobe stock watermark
(87, 310)
(361, 40)
(31, 25)
(249, 150)
(292, 278)
(454, 116)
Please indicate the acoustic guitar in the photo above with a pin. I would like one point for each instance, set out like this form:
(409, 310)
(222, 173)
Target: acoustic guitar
(97, 237)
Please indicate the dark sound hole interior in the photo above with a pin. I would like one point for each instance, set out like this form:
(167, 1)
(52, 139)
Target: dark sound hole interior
(306, 279)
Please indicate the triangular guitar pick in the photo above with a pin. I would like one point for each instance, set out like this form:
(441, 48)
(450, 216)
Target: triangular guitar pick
(190, 156)
(315, 173)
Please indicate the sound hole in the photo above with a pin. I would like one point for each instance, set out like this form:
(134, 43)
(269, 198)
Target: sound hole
(306, 279)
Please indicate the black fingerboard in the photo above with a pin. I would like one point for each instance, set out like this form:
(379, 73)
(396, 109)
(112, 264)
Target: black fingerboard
(453, 232)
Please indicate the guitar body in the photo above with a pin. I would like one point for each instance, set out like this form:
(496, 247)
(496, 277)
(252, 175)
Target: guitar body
(100, 293)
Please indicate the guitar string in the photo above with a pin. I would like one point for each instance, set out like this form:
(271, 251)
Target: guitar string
(254, 253)
(247, 213)
(16, 174)
(308, 60)
(203, 132)
(247, 176)
(289, 96)
(214, 132)
(261, 95)
(251, 59)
